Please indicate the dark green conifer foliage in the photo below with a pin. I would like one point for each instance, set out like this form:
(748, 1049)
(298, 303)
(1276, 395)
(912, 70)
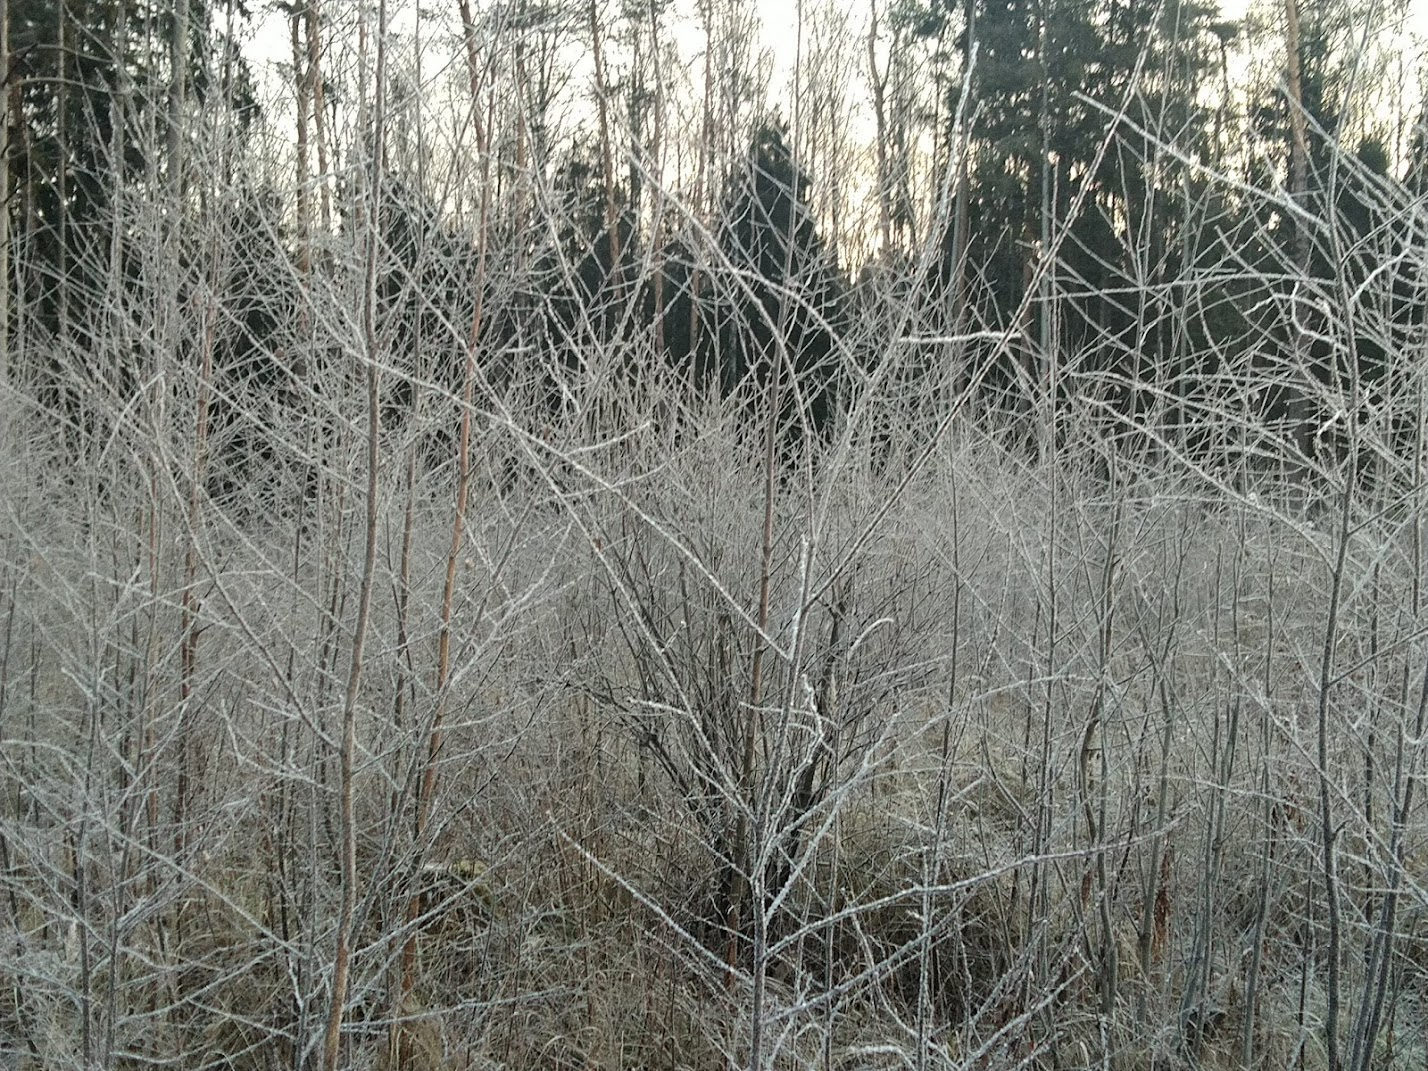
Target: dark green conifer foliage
(93, 81)
(782, 301)
(1049, 75)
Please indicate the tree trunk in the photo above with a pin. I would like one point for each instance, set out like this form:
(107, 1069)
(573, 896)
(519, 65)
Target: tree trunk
(4, 205)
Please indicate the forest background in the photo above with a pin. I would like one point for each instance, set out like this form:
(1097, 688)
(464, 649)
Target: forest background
(533, 534)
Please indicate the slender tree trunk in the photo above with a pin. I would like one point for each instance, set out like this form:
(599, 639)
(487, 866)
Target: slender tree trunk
(1299, 144)
(877, 81)
(189, 628)
(62, 178)
(475, 74)
(304, 203)
(436, 734)
(178, 100)
(5, 80)
(372, 360)
(960, 147)
(529, 161)
(1047, 379)
(1300, 416)
(607, 160)
(312, 17)
(701, 181)
(655, 155)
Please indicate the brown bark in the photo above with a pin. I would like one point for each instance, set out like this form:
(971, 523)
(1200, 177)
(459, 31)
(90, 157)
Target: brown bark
(312, 17)
(5, 197)
(304, 205)
(1299, 145)
(878, 81)
(607, 161)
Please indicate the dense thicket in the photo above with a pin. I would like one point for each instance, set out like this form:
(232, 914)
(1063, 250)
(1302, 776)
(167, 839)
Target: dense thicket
(550, 534)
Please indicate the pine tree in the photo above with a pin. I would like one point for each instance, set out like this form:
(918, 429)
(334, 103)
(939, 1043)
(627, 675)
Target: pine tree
(783, 311)
(1048, 76)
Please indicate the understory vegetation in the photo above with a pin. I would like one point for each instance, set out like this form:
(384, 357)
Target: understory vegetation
(468, 607)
